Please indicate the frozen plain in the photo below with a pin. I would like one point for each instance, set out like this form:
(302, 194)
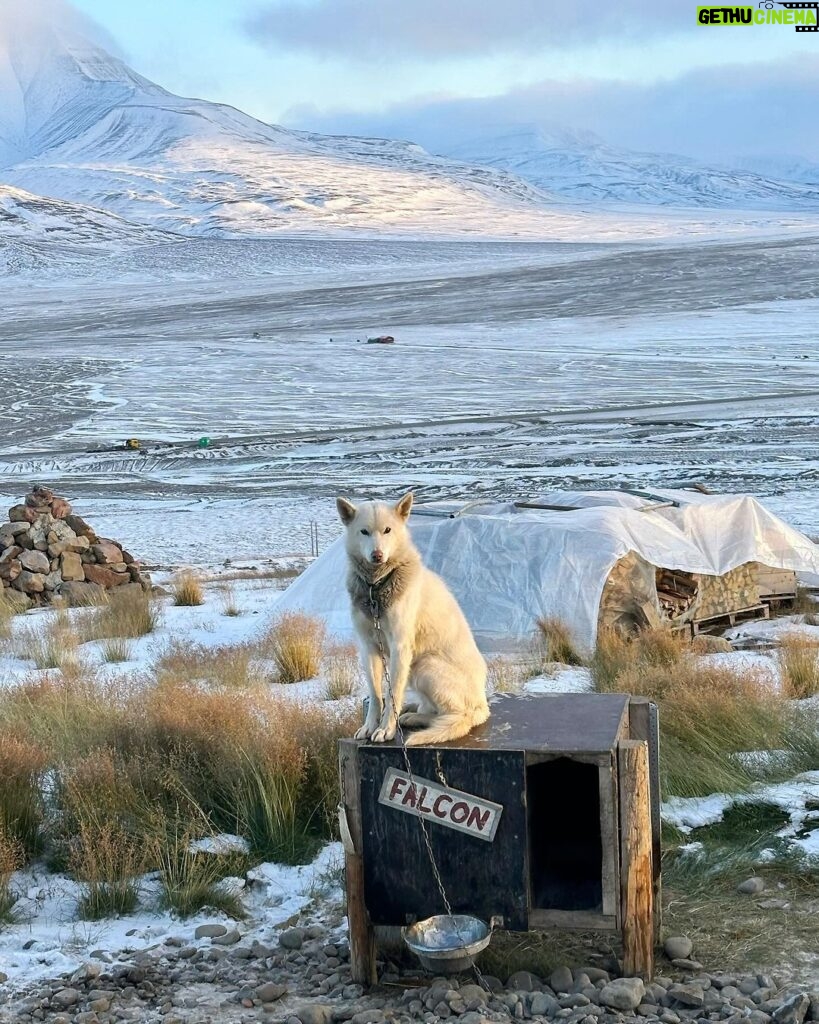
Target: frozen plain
(517, 367)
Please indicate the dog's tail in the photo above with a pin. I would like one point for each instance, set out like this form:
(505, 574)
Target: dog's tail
(450, 726)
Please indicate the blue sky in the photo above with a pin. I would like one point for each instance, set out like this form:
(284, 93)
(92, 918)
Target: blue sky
(639, 72)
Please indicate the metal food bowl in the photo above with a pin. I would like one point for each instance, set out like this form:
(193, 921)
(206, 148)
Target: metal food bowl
(448, 943)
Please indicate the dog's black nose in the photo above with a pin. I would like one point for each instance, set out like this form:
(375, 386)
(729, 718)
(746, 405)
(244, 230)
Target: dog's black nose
(378, 556)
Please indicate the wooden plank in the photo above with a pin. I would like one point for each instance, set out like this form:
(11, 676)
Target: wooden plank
(644, 725)
(557, 723)
(480, 878)
(636, 873)
(608, 836)
(362, 936)
(574, 920)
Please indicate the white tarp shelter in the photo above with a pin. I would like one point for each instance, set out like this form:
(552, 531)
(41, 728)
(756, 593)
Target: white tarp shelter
(509, 565)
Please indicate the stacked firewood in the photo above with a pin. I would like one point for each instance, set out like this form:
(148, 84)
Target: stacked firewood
(730, 592)
(677, 592)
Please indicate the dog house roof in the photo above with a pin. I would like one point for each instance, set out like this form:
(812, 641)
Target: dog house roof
(510, 563)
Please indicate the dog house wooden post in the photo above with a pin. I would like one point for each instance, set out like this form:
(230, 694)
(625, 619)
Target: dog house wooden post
(545, 817)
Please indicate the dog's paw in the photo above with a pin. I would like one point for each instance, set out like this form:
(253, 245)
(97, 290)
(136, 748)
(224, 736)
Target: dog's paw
(363, 733)
(384, 735)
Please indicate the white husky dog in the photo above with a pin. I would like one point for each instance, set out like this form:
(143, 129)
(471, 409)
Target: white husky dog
(427, 641)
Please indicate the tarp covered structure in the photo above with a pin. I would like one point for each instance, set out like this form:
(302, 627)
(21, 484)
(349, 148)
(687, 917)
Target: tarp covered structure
(509, 565)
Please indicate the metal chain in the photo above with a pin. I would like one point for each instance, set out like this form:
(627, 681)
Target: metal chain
(387, 681)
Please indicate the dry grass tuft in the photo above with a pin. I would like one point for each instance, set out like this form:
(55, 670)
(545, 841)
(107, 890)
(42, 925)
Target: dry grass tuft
(505, 675)
(295, 642)
(108, 861)
(556, 643)
(51, 644)
(187, 590)
(127, 616)
(710, 714)
(116, 649)
(798, 660)
(185, 663)
(190, 881)
(21, 809)
(6, 616)
(229, 601)
(342, 670)
(11, 858)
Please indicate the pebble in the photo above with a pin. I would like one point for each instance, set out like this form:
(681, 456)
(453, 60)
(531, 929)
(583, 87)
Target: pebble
(66, 997)
(292, 938)
(561, 979)
(678, 947)
(623, 993)
(525, 981)
(751, 886)
(209, 931)
(270, 992)
(794, 1010)
(228, 939)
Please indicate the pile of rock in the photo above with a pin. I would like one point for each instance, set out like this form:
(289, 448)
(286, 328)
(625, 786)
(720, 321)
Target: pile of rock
(46, 551)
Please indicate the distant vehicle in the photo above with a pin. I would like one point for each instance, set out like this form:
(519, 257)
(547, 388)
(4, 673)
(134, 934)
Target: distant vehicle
(382, 339)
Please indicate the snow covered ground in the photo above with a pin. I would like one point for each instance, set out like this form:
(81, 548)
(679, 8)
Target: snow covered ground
(517, 368)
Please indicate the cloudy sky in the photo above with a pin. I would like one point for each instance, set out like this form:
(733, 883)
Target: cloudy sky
(640, 73)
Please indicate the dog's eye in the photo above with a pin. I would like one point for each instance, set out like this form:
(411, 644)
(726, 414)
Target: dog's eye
(387, 529)
(366, 533)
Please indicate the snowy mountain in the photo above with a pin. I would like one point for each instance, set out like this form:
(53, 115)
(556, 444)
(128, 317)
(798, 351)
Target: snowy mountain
(581, 166)
(77, 123)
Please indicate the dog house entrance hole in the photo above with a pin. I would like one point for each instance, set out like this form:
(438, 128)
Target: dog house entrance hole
(565, 845)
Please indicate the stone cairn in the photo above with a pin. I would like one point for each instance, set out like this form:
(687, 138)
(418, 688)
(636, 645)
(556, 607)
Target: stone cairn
(47, 552)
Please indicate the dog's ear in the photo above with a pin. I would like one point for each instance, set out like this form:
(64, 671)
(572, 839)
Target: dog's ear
(404, 505)
(346, 510)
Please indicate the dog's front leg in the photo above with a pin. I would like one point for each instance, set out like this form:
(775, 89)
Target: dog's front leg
(374, 670)
(400, 661)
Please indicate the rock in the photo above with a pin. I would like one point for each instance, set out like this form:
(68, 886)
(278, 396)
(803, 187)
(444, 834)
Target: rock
(60, 508)
(704, 644)
(813, 1010)
(209, 931)
(292, 938)
(103, 575)
(228, 939)
(687, 995)
(374, 1016)
(469, 993)
(544, 1005)
(794, 1010)
(524, 981)
(270, 992)
(81, 595)
(3, 977)
(71, 566)
(81, 528)
(30, 582)
(53, 581)
(22, 514)
(107, 552)
(315, 1013)
(561, 979)
(10, 569)
(66, 997)
(678, 947)
(35, 562)
(687, 965)
(622, 993)
(751, 886)
(8, 532)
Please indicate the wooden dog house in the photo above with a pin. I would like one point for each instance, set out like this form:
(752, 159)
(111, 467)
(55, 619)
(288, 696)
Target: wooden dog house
(545, 817)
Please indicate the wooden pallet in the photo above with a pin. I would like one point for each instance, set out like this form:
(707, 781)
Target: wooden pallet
(757, 611)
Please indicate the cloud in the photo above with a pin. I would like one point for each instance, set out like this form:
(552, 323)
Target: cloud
(717, 114)
(48, 23)
(400, 29)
